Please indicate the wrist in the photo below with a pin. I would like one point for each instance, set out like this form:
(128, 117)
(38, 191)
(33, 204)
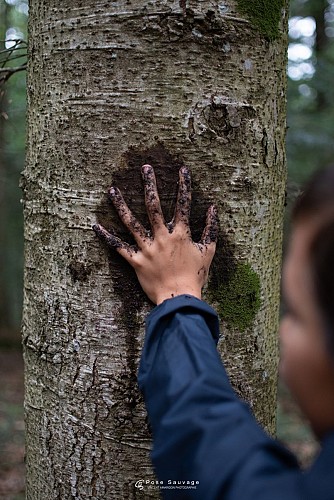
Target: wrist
(175, 293)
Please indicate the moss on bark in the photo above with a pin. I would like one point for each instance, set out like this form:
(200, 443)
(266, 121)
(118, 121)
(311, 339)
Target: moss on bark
(264, 15)
(239, 297)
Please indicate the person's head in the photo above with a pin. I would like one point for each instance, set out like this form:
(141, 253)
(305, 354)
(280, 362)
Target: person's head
(307, 329)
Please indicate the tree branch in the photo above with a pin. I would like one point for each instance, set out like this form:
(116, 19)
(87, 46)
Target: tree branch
(6, 73)
(7, 55)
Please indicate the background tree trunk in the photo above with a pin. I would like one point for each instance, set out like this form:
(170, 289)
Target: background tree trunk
(112, 85)
(4, 305)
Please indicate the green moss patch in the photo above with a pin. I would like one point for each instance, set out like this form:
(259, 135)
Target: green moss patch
(264, 14)
(239, 297)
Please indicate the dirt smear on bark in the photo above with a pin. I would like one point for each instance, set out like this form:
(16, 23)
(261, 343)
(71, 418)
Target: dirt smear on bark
(128, 180)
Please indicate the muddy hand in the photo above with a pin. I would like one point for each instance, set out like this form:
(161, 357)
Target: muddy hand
(167, 261)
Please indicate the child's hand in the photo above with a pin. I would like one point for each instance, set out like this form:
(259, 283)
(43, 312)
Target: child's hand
(167, 262)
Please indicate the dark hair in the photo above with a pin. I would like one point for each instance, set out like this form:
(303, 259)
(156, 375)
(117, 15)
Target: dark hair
(317, 196)
(317, 200)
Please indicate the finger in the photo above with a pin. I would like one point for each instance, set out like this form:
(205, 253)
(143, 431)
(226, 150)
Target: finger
(210, 233)
(129, 220)
(183, 202)
(124, 249)
(152, 199)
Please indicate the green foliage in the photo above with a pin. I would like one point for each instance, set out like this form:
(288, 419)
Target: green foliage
(264, 15)
(310, 138)
(12, 146)
(239, 297)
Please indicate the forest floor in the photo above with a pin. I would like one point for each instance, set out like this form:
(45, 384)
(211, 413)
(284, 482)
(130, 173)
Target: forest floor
(291, 427)
(12, 469)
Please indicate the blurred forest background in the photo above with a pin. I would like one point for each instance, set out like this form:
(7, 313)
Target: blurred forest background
(310, 144)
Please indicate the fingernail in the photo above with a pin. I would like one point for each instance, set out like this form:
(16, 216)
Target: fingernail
(97, 229)
(146, 169)
(112, 191)
(214, 214)
(185, 173)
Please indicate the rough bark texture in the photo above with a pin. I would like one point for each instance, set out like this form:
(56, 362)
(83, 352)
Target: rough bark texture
(112, 85)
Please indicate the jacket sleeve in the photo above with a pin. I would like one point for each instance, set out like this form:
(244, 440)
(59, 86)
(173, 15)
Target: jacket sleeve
(202, 431)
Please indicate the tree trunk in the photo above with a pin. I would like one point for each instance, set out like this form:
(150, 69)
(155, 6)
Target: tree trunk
(4, 305)
(112, 85)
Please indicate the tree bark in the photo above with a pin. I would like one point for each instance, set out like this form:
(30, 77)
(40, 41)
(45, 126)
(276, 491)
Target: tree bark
(112, 85)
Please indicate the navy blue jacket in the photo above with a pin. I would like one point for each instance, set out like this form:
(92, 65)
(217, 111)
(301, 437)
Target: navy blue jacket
(201, 430)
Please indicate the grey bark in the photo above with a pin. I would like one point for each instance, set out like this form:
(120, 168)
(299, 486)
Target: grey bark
(111, 85)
